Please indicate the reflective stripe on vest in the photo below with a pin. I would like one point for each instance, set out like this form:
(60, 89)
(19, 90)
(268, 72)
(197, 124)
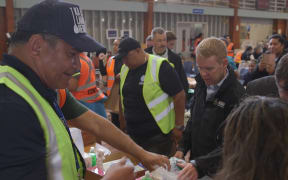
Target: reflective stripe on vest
(89, 73)
(87, 90)
(60, 157)
(110, 74)
(61, 97)
(159, 103)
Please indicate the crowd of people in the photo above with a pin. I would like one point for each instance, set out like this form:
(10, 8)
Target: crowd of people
(237, 127)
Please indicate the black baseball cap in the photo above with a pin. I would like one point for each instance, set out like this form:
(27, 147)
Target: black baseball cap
(126, 45)
(62, 19)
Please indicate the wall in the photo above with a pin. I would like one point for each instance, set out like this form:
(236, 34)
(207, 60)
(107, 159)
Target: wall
(260, 29)
(217, 25)
(130, 15)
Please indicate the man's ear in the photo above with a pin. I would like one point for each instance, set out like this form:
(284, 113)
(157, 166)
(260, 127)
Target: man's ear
(225, 62)
(35, 44)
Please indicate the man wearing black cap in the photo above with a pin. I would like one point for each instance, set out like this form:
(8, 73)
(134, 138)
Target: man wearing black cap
(152, 98)
(43, 56)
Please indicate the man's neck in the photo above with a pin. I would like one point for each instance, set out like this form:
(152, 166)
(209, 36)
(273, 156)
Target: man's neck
(142, 61)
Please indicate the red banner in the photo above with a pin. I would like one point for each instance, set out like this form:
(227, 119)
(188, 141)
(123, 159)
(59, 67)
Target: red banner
(263, 4)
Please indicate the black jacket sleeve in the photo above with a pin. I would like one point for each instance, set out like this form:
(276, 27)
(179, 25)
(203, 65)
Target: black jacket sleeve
(209, 164)
(102, 68)
(176, 60)
(185, 143)
(256, 74)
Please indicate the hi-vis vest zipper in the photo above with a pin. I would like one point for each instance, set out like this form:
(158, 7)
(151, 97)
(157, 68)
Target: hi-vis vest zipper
(60, 159)
(159, 103)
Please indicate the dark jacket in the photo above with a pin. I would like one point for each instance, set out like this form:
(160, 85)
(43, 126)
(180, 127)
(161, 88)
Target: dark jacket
(203, 135)
(256, 74)
(278, 58)
(176, 60)
(265, 86)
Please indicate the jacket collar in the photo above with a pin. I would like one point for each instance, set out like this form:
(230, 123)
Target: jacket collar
(224, 86)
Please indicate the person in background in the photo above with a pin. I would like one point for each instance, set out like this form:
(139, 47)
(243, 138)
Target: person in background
(245, 74)
(111, 70)
(265, 67)
(230, 46)
(159, 48)
(265, 46)
(260, 151)
(238, 57)
(247, 53)
(84, 89)
(116, 43)
(100, 55)
(217, 92)
(229, 58)
(171, 40)
(276, 46)
(196, 41)
(149, 42)
(273, 85)
(258, 50)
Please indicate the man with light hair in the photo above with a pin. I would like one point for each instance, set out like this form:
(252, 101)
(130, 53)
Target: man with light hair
(159, 48)
(216, 93)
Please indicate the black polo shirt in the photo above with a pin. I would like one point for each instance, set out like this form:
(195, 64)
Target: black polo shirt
(140, 122)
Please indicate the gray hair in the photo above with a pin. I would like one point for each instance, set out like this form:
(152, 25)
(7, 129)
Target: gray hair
(157, 30)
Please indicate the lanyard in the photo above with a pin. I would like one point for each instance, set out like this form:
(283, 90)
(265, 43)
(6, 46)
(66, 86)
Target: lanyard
(61, 116)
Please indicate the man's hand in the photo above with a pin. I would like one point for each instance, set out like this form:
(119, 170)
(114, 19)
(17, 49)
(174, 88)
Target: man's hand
(188, 172)
(120, 171)
(151, 161)
(179, 154)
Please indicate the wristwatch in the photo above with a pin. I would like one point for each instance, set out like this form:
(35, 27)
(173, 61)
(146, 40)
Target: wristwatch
(180, 127)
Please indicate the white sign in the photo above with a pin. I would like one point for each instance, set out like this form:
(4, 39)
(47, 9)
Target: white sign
(126, 33)
(112, 33)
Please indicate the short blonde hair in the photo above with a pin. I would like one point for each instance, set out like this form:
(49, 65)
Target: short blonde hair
(212, 47)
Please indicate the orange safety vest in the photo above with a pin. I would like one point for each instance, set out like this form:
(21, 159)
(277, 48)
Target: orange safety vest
(87, 90)
(238, 57)
(230, 48)
(61, 97)
(110, 74)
